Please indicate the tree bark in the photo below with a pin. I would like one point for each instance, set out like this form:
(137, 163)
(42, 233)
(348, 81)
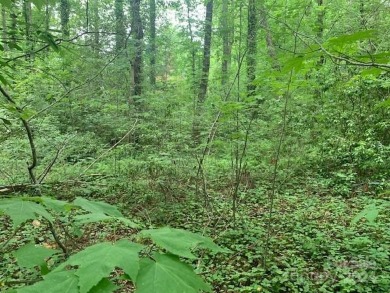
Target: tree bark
(65, 15)
(204, 79)
(251, 47)
(206, 53)
(268, 35)
(27, 19)
(193, 49)
(320, 27)
(120, 31)
(14, 22)
(152, 19)
(96, 27)
(226, 42)
(137, 36)
(4, 33)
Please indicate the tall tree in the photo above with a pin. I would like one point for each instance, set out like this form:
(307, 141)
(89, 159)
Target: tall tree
(226, 30)
(320, 26)
(4, 34)
(27, 20)
(251, 46)
(268, 35)
(65, 15)
(14, 22)
(152, 19)
(120, 31)
(137, 36)
(204, 79)
(206, 53)
(96, 26)
(193, 49)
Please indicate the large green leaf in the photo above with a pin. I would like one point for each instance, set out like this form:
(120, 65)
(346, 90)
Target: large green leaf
(180, 242)
(97, 207)
(21, 210)
(56, 205)
(32, 255)
(98, 261)
(104, 286)
(167, 274)
(64, 282)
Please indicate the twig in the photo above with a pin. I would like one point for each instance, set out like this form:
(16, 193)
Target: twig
(27, 127)
(57, 239)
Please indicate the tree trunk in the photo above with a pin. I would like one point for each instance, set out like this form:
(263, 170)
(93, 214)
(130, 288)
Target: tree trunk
(137, 36)
(268, 35)
(96, 26)
(204, 79)
(120, 31)
(226, 42)
(4, 33)
(14, 23)
(251, 47)
(193, 49)
(47, 16)
(65, 14)
(320, 27)
(206, 53)
(27, 19)
(152, 19)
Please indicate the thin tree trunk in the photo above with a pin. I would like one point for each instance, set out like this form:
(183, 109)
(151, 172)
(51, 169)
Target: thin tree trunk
(137, 35)
(206, 53)
(26, 125)
(320, 27)
(27, 19)
(268, 35)
(193, 50)
(4, 33)
(96, 26)
(152, 17)
(65, 14)
(251, 47)
(204, 79)
(226, 42)
(120, 31)
(47, 16)
(14, 22)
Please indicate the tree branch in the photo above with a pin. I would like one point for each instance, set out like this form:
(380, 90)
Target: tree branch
(30, 137)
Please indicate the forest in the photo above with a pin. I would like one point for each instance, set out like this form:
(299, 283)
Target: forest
(185, 146)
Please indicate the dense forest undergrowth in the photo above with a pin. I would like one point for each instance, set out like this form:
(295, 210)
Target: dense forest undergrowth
(190, 146)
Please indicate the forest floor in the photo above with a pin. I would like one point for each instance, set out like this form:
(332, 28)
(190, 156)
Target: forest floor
(316, 243)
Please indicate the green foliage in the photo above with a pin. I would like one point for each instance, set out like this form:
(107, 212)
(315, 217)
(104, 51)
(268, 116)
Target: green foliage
(31, 255)
(180, 242)
(20, 210)
(165, 273)
(97, 262)
(89, 269)
(315, 133)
